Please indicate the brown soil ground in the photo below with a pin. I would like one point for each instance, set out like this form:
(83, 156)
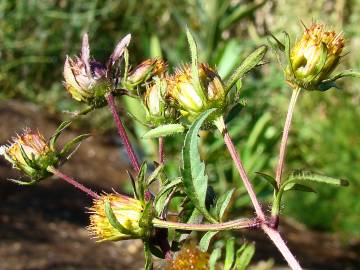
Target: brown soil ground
(43, 226)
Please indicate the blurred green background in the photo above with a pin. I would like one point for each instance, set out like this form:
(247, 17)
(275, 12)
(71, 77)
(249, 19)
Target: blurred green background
(35, 37)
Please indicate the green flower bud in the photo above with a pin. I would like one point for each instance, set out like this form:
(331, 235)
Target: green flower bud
(31, 154)
(314, 57)
(127, 211)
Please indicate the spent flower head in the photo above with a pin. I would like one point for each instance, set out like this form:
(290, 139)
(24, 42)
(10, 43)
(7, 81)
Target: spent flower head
(314, 57)
(127, 212)
(31, 154)
(88, 80)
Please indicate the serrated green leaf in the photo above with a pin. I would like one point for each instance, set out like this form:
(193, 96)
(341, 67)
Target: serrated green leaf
(244, 256)
(230, 254)
(304, 176)
(299, 187)
(222, 203)
(163, 131)
(271, 180)
(249, 63)
(205, 241)
(214, 257)
(193, 169)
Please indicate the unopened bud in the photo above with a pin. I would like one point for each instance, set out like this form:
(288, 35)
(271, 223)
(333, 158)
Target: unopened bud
(31, 154)
(314, 57)
(127, 211)
(146, 70)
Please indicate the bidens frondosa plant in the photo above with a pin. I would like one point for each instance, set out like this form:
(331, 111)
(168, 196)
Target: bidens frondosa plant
(194, 97)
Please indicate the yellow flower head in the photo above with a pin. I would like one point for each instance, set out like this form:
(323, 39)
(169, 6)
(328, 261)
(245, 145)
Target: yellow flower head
(314, 56)
(193, 98)
(127, 212)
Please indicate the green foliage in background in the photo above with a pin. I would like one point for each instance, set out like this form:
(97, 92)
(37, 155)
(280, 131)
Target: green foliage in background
(35, 35)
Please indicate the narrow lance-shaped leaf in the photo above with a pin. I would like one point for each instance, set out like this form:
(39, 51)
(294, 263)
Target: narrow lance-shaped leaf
(214, 257)
(205, 240)
(230, 254)
(58, 132)
(249, 63)
(244, 256)
(71, 145)
(304, 176)
(345, 73)
(193, 169)
(194, 61)
(222, 203)
(163, 131)
(287, 52)
(113, 221)
(271, 180)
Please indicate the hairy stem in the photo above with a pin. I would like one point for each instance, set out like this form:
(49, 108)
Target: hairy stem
(275, 236)
(122, 133)
(73, 182)
(230, 225)
(161, 150)
(220, 124)
(285, 135)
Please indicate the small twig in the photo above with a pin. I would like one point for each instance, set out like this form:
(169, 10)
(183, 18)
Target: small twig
(73, 182)
(122, 133)
(285, 135)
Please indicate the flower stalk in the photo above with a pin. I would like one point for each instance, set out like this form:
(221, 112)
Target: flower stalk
(285, 135)
(122, 133)
(73, 182)
(220, 124)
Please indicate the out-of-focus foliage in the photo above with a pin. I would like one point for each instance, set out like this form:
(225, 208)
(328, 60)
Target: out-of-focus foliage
(35, 35)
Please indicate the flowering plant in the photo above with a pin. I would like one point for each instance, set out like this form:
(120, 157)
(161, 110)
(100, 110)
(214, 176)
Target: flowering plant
(194, 98)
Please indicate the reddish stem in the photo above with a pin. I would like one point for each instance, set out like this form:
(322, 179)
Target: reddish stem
(74, 183)
(122, 133)
(236, 158)
(285, 135)
(161, 150)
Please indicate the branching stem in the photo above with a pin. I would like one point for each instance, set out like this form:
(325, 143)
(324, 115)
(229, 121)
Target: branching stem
(73, 182)
(122, 133)
(230, 225)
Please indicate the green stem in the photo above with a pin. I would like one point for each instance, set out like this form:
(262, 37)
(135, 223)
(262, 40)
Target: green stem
(230, 225)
